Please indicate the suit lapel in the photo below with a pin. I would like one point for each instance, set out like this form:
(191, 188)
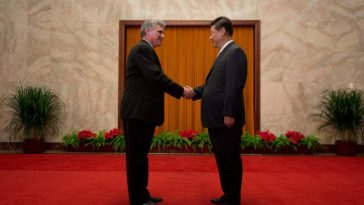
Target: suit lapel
(157, 59)
(155, 56)
(218, 59)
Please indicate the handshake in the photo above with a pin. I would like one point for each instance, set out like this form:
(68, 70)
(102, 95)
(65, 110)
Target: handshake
(188, 92)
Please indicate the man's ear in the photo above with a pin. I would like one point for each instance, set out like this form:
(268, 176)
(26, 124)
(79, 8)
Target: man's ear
(147, 31)
(222, 31)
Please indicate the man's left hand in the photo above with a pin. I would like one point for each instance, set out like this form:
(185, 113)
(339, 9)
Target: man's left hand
(229, 121)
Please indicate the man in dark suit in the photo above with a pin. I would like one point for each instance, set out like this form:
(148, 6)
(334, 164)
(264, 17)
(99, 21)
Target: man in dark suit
(142, 107)
(222, 109)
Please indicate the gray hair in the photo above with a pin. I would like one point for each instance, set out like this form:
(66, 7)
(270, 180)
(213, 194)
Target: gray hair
(149, 24)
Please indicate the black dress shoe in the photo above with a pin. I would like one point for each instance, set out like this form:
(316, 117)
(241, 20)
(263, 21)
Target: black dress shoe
(155, 199)
(149, 202)
(220, 200)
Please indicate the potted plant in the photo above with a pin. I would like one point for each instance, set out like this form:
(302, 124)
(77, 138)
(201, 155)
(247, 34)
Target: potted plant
(308, 144)
(35, 115)
(98, 142)
(201, 142)
(85, 139)
(170, 142)
(188, 134)
(70, 141)
(118, 143)
(282, 144)
(294, 138)
(267, 140)
(115, 140)
(251, 143)
(343, 112)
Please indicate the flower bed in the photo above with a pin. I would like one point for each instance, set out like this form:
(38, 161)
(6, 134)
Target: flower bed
(88, 141)
(188, 141)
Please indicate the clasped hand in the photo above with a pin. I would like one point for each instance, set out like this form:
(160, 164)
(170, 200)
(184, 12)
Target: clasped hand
(188, 92)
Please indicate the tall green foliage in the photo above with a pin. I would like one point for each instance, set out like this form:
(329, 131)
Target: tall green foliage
(343, 111)
(281, 142)
(71, 140)
(35, 113)
(118, 143)
(169, 140)
(201, 141)
(252, 141)
(311, 142)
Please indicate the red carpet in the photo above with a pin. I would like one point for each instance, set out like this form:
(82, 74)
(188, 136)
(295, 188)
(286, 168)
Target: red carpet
(99, 179)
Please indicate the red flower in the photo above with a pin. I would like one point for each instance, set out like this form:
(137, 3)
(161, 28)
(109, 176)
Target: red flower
(113, 133)
(188, 134)
(295, 137)
(85, 134)
(266, 136)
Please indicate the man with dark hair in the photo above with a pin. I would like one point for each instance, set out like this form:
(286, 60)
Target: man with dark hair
(142, 107)
(223, 22)
(222, 109)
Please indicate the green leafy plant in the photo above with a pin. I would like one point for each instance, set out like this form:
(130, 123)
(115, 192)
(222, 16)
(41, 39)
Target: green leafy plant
(98, 141)
(188, 134)
(281, 142)
(343, 111)
(267, 138)
(312, 142)
(83, 140)
(169, 140)
(35, 113)
(71, 140)
(118, 143)
(85, 137)
(201, 141)
(251, 141)
(111, 134)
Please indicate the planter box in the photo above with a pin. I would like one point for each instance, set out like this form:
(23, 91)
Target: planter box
(283, 150)
(33, 146)
(171, 150)
(346, 148)
(81, 148)
(204, 150)
(107, 148)
(256, 151)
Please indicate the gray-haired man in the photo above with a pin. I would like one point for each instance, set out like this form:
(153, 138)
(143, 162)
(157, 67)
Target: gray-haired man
(142, 107)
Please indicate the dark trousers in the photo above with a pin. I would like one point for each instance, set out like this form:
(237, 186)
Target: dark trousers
(138, 138)
(226, 146)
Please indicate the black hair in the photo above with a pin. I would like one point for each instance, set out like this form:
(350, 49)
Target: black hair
(223, 22)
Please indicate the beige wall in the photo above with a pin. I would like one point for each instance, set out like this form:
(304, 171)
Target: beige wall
(71, 46)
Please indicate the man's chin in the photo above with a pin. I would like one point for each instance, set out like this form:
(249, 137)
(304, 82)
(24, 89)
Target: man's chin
(159, 44)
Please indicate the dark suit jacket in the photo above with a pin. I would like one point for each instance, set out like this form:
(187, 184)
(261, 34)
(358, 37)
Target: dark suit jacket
(145, 84)
(221, 95)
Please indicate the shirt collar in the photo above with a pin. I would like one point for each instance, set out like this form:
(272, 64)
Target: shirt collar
(224, 46)
(147, 42)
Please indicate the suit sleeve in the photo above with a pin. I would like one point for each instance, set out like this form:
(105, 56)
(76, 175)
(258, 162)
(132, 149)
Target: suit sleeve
(198, 91)
(235, 77)
(154, 74)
